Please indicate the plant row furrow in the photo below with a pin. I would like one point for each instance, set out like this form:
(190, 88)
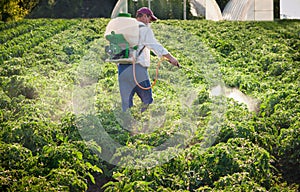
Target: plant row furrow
(54, 53)
(13, 24)
(15, 31)
(17, 46)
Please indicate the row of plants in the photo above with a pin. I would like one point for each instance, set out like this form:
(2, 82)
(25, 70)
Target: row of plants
(20, 44)
(18, 28)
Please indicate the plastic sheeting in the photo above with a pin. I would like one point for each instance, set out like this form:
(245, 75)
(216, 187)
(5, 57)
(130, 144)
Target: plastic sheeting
(208, 8)
(243, 10)
(263, 10)
(197, 7)
(213, 11)
(121, 7)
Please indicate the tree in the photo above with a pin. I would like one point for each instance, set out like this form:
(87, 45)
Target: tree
(12, 10)
(73, 9)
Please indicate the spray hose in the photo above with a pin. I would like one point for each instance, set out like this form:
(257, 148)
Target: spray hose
(156, 75)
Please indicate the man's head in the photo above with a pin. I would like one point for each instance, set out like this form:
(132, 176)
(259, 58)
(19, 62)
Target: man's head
(145, 15)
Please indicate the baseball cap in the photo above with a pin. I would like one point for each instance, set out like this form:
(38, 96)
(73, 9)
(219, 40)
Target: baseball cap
(147, 11)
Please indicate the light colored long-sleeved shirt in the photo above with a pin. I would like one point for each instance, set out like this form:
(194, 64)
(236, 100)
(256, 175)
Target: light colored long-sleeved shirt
(147, 39)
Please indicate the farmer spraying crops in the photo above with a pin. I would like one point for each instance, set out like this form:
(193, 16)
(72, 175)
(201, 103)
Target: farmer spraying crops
(134, 78)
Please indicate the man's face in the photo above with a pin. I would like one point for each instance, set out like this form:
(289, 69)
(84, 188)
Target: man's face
(145, 19)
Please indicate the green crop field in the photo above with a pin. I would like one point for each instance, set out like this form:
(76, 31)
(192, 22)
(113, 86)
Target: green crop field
(62, 128)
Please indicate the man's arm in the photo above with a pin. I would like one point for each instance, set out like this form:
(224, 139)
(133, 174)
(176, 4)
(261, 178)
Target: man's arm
(152, 43)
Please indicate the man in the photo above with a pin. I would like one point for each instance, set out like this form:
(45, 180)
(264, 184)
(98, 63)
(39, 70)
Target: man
(147, 42)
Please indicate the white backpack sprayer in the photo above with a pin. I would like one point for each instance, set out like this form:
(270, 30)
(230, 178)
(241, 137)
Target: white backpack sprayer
(122, 33)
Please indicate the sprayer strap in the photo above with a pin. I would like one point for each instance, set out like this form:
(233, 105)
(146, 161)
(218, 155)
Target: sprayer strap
(140, 52)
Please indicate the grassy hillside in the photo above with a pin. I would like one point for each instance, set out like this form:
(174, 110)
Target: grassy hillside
(62, 128)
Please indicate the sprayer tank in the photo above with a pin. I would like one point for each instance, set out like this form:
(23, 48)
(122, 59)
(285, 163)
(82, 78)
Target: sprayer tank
(127, 26)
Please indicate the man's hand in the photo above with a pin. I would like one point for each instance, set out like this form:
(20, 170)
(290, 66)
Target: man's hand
(172, 60)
